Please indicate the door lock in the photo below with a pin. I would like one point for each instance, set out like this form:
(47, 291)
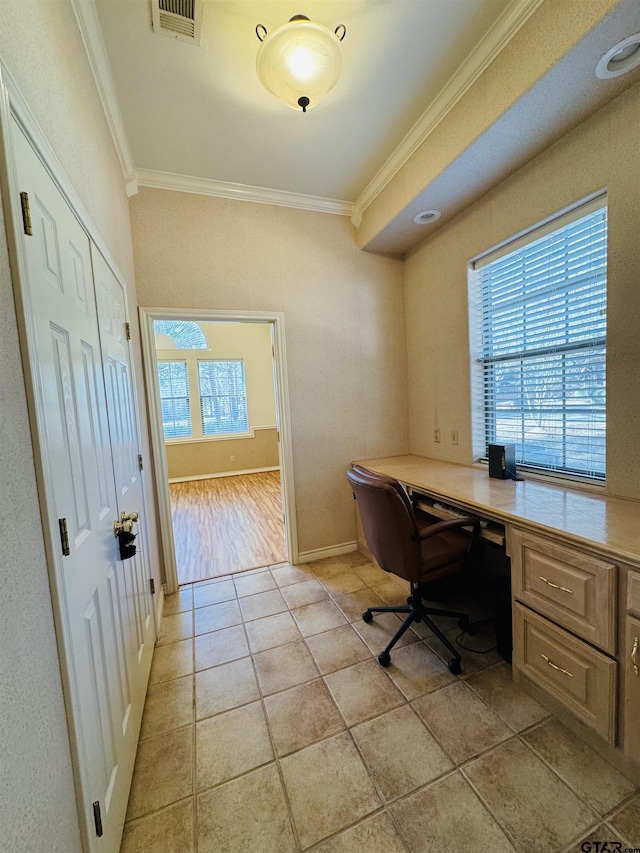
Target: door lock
(127, 520)
(123, 531)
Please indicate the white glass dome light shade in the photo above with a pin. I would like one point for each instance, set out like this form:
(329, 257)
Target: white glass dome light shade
(300, 62)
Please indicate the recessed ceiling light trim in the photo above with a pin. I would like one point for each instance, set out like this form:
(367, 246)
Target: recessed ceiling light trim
(620, 59)
(427, 217)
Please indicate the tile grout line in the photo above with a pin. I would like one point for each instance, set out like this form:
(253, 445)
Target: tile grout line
(274, 750)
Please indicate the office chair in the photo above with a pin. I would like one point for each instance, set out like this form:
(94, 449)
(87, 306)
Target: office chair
(412, 547)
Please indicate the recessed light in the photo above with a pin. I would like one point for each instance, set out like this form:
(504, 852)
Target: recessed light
(622, 57)
(426, 217)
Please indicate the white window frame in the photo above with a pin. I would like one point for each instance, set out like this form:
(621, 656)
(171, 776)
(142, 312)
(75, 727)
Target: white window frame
(192, 357)
(481, 414)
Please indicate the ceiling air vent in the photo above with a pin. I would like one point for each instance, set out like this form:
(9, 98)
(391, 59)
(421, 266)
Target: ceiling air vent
(179, 19)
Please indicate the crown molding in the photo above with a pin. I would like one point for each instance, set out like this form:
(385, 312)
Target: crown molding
(87, 18)
(241, 192)
(504, 29)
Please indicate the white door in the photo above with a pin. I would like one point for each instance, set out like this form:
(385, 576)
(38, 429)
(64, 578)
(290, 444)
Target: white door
(91, 585)
(111, 304)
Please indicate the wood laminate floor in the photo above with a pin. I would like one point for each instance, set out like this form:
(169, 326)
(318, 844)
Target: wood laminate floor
(227, 524)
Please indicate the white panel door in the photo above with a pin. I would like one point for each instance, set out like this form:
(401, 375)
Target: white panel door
(90, 584)
(125, 446)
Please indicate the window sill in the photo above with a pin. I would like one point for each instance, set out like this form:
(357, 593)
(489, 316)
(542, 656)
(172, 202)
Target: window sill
(200, 438)
(595, 486)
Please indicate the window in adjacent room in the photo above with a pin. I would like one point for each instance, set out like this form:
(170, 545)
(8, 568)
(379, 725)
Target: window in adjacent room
(174, 398)
(223, 397)
(540, 307)
(186, 334)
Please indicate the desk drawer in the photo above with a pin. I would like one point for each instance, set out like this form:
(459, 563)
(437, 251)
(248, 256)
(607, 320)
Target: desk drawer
(570, 671)
(574, 589)
(633, 592)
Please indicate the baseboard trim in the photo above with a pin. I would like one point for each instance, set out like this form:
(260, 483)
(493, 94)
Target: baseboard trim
(224, 474)
(331, 551)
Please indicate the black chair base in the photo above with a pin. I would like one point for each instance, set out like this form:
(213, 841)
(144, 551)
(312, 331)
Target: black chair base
(418, 612)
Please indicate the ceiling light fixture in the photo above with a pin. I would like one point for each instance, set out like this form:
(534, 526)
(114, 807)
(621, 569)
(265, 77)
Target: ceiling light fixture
(426, 217)
(621, 58)
(300, 61)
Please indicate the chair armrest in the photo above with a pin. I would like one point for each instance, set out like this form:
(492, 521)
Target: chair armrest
(441, 526)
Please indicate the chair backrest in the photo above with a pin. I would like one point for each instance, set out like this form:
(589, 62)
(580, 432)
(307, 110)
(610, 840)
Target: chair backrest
(388, 522)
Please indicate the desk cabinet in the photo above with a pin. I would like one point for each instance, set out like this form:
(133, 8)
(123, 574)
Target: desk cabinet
(565, 637)
(573, 588)
(572, 672)
(631, 730)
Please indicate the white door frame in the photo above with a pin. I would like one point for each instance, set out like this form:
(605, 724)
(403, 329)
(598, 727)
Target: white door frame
(283, 419)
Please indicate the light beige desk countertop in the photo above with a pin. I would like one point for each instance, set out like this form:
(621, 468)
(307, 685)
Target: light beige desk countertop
(607, 524)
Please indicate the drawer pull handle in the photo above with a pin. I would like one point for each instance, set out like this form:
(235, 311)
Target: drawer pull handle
(553, 665)
(555, 585)
(634, 656)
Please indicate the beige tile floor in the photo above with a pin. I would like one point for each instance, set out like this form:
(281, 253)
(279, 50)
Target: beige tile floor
(270, 727)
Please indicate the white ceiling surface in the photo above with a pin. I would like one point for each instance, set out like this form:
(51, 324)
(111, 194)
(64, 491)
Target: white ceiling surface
(201, 111)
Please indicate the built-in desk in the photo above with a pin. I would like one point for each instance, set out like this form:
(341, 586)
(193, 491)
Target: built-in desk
(575, 572)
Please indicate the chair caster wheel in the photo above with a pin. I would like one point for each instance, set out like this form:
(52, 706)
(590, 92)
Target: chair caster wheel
(367, 616)
(384, 658)
(454, 666)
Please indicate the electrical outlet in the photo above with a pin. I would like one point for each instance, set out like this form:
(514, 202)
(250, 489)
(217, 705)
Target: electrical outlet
(232, 458)
(436, 435)
(454, 436)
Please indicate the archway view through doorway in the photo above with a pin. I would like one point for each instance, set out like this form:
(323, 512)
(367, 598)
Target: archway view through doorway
(218, 401)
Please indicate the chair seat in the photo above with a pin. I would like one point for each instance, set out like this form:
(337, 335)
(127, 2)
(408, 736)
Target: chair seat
(439, 552)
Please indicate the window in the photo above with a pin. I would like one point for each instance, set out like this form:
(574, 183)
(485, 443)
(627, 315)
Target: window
(174, 398)
(543, 343)
(223, 397)
(186, 334)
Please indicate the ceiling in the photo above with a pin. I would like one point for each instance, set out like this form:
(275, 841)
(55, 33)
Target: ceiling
(201, 111)
(438, 101)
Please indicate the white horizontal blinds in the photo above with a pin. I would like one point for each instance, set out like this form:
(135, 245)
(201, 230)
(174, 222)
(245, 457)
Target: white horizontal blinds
(174, 398)
(544, 345)
(223, 397)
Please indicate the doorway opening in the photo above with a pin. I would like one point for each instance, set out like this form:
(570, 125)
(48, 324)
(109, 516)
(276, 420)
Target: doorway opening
(220, 430)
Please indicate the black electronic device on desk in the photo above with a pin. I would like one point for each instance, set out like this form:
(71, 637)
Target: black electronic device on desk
(502, 461)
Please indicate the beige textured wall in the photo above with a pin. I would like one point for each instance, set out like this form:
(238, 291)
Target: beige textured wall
(344, 322)
(41, 46)
(601, 153)
(198, 458)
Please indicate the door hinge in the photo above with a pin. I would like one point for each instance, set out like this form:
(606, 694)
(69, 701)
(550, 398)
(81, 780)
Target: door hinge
(152, 586)
(64, 536)
(140, 462)
(26, 214)
(97, 818)
(127, 331)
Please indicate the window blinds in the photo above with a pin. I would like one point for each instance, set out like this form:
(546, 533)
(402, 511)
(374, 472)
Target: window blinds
(223, 397)
(543, 350)
(174, 399)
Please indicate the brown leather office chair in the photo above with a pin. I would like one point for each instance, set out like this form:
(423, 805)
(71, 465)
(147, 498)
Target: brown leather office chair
(418, 549)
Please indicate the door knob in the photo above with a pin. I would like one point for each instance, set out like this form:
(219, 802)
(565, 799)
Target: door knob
(123, 531)
(126, 522)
